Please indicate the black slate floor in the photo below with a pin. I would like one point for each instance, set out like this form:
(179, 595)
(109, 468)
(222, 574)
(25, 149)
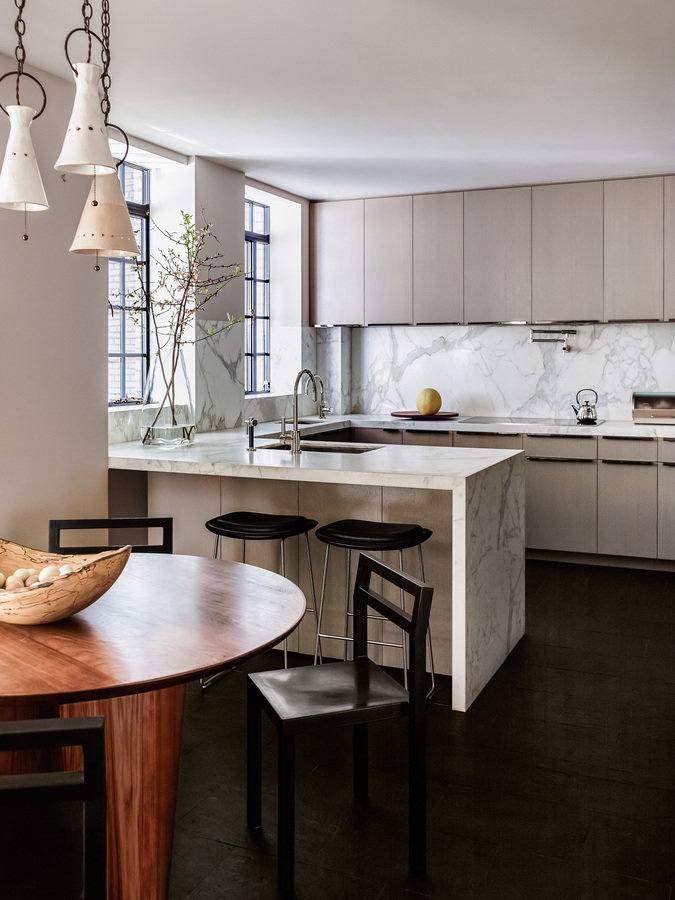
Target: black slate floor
(558, 784)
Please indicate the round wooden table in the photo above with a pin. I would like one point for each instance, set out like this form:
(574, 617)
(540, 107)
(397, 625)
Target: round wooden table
(167, 620)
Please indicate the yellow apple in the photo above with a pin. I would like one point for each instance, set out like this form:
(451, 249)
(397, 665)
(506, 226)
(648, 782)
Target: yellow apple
(428, 401)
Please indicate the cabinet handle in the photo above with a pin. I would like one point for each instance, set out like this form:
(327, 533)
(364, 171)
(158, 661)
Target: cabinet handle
(670, 465)
(668, 440)
(627, 462)
(558, 459)
(615, 437)
(420, 431)
(563, 437)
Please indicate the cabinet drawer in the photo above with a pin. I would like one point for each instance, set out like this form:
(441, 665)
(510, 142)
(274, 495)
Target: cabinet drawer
(490, 441)
(573, 447)
(377, 436)
(629, 449)
(667, 449)
(427, 438)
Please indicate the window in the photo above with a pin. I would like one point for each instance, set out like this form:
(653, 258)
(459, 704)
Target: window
(257, 318)
(129, 331)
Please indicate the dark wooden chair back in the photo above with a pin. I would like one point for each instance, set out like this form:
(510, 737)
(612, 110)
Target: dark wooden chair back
(56, 526)
(87, 786)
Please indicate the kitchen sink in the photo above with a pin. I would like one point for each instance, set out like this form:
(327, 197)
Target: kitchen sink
(322, 447)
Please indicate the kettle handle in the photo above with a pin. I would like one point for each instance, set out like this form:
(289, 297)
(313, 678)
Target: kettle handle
(587, 389)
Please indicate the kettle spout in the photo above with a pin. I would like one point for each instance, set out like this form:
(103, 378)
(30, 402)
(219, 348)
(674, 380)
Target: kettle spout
(575, 408)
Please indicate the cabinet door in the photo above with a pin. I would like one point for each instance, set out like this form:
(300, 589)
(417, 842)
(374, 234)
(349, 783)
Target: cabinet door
(634, 249)
(567, 251)
(561, 504)
(497, 255)
(388, 261)
(666, 515)
(421, 438)
(627, 508)
(438, 258)
(337, 263)
(377, 435)
(669, 248)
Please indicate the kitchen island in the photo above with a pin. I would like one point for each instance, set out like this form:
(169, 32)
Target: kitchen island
(473, 500)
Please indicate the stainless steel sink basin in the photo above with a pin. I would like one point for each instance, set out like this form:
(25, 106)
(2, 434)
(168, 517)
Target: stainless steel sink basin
(321, 447)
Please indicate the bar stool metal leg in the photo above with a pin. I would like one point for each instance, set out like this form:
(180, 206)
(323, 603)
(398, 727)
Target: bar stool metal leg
(283, 575)
(311, 582)
(349, 573)
(317, 646)
(431, 649)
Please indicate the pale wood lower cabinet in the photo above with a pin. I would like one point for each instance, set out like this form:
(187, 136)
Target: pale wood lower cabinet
(561, 504)
(627, 508)
(666, 511)
(377, 435)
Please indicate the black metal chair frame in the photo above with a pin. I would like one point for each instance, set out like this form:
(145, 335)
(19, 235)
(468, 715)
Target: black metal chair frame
(350, 693)
(56, 526)
(87, 786)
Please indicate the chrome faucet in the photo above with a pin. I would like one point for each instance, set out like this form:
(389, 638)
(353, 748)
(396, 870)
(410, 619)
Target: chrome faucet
(295, 434)
(323, 406)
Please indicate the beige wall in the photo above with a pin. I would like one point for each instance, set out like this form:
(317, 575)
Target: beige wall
(53, 346)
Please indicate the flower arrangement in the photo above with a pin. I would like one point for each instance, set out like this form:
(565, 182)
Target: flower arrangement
(187, 274)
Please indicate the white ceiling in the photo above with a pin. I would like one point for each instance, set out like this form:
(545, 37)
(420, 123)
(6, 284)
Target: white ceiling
(367, 97)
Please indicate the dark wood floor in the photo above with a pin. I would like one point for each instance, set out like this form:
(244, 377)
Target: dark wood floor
(558, 784)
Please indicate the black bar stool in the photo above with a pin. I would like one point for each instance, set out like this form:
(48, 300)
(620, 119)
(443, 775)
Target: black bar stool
(359, 534)
(251, 526)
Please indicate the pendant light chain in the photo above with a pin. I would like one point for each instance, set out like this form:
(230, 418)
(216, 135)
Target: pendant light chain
(19, 50)
(87, 13)
(105, 57)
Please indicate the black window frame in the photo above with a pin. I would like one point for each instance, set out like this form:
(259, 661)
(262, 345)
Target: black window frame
(252, 352)
(141, 212)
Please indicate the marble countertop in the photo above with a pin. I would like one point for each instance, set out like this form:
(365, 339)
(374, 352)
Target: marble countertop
(225, 454)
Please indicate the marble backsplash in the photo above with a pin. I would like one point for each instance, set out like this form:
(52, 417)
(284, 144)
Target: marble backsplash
(496, 370)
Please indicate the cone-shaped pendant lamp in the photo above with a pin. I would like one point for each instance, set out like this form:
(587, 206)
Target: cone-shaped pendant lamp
(20, 182)
(105, 227)
(85, 148)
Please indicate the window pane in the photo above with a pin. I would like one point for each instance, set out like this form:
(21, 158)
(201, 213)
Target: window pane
(114, 383)
(134, 334)
(115, 332)
(133, 185)
(262, 335)
(134, 377)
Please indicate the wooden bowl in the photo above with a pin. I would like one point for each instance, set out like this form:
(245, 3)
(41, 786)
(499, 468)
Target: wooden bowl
(50, 601)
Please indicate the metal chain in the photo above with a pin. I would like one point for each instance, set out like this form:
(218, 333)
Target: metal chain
(19, 52)
(87, 13)
(105, 57)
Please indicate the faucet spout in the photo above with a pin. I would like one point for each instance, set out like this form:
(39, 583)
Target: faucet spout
(295, 435)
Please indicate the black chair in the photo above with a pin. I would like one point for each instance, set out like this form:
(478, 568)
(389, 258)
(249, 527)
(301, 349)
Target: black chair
(253, 526)
(361, 534)
(56, 526)
(353, 692)
(87, 786)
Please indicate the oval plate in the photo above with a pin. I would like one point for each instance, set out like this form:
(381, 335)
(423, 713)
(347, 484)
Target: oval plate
(415, 414)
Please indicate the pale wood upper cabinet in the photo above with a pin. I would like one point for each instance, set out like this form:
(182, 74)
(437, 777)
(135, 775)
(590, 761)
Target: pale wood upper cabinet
(337, 263)
(634, 249)
(497, 255)
(438, 258)
(567, 252)
(669, 248)
(388, 261)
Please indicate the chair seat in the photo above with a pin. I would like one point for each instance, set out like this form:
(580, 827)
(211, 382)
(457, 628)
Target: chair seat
(304, 696)
(251, 526)
(357, 534)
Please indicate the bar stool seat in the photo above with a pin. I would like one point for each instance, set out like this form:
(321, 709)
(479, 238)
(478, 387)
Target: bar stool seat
(250, 526)
(245, 526)
(358, 534)
(362, 534)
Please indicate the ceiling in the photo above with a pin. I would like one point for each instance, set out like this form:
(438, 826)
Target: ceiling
(373, 97)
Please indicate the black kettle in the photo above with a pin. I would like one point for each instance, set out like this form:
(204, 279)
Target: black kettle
(586, 411)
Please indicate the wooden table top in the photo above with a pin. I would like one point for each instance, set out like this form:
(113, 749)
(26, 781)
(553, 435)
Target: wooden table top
(168, 619)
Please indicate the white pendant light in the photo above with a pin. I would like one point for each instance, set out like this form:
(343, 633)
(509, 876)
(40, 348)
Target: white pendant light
(85, 148)
(21, 186)
(105, 227)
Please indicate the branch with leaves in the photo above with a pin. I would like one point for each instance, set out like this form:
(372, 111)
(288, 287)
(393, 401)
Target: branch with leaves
(187, 274)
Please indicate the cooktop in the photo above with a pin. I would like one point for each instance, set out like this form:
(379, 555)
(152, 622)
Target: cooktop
(521, 420)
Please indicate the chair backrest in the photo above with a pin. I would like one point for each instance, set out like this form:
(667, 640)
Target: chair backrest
(87, 785)
(414, 623)
(56, 526)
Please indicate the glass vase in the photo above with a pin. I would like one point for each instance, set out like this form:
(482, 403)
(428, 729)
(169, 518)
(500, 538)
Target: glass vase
(167, 414)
